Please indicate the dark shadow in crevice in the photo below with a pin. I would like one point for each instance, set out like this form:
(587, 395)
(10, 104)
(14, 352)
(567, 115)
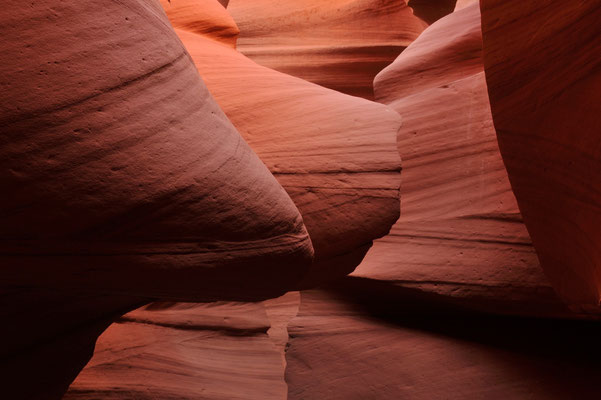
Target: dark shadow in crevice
(558, 340)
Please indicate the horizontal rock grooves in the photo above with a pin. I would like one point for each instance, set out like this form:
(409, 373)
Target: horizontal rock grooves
(230, 331)
(341, 45)
(460, 234)
(334, 154)
(147, 171)
(170, 356)
(121, 178)
(123, 84)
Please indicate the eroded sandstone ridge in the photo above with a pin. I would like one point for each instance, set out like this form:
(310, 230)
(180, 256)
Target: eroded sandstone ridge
(545, 105)
(160, 183)
(334, 154)
(460, 233)
(338, 44)
(130, 171)
(186, 351)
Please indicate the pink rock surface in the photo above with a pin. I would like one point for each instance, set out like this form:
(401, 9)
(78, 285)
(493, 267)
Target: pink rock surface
(312, 139)
(460, 233)
(338, 44)
(186, 351)
(190, 351)
(547, 112)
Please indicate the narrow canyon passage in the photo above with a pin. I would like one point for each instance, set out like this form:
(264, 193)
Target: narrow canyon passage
(300, 199)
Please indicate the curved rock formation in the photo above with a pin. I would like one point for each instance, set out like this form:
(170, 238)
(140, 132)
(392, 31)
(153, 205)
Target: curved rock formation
(464, 3)
(130, 171)
(338, 44)
(217, 351)
(207, 18)
(122, 180)
(460, 234)
(191, 351)
(547, 111)
(334, 154)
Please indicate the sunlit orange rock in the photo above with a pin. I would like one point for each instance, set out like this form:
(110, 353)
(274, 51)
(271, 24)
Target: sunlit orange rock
(460, 234)
(208, 18)
(334, 154)
(338, 44)
(546, 108)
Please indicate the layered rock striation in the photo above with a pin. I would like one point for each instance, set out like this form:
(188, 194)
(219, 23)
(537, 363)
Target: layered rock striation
(547, 112)
(123, 181)
(334, 154)
(460, 234)
(338, 44)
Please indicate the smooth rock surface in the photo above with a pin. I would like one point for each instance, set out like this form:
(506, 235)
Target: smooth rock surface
(544, 85)
(208, 18)
(122, 180)
(312, 139)
(128, 178)
(361, 342)
(190, 351)
(460, 233)
(335, 154)
(218, 351)
(338, 44)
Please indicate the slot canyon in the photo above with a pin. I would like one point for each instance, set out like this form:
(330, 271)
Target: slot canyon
(300, 199)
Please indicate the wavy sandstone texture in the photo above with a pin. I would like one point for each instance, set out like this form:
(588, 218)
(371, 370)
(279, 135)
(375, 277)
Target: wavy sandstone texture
(132, 171)
(339, 44)
(217, 351)
(334, 154)
(122, 180)
(363, 342)
(547, 111)
(460, 234)
(208, 18)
